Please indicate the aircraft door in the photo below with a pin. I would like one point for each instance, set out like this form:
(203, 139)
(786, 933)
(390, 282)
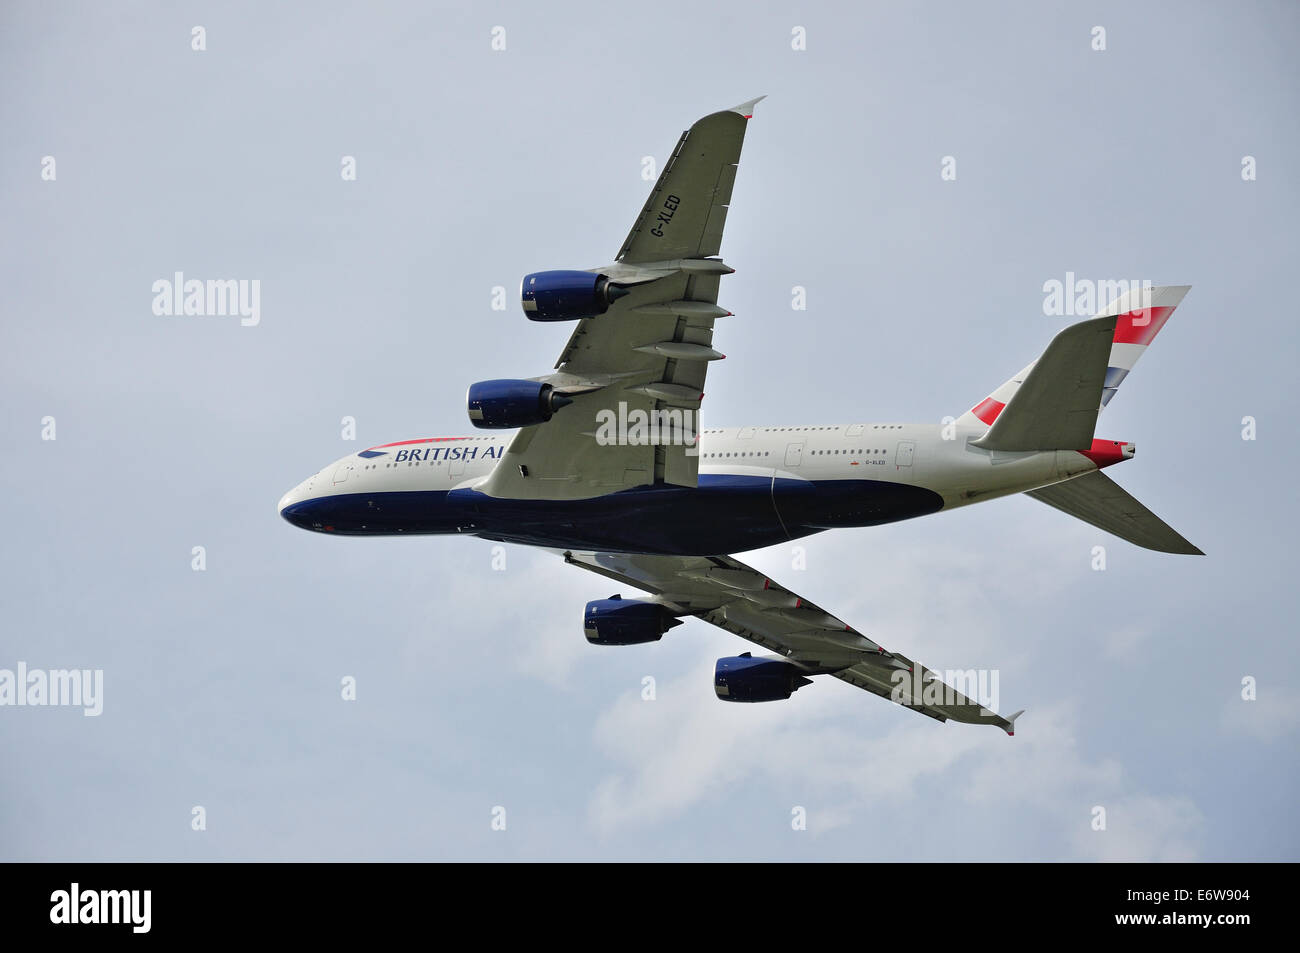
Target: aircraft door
(903, 458)
(793, 454)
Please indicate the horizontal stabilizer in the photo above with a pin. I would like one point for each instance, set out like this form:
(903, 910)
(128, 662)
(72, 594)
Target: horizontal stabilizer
(1055, 407)
(1097, 499)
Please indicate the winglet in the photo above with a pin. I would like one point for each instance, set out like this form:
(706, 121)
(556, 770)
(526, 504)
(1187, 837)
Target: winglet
(1010, 729)
(747, 109)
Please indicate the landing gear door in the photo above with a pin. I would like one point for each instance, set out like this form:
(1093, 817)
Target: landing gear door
(793, 454)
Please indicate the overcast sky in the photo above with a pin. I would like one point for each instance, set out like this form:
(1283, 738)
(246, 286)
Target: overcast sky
(475, 687)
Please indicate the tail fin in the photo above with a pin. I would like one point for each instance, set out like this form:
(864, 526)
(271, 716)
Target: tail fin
(1055, 406)
(1095, 498)
(1138, 316)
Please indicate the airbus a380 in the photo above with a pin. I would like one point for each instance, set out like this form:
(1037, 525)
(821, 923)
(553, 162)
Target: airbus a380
(603, 465)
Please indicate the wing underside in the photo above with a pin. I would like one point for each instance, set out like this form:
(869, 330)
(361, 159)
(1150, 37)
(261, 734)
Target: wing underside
(733, 596)
(645, 358)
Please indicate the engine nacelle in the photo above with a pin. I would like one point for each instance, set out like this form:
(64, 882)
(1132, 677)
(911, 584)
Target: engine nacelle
(619, 621)
(567, 295)
(748, 679)
(506, 404)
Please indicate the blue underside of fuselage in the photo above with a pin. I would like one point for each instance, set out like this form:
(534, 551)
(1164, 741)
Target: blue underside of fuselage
(724, 514)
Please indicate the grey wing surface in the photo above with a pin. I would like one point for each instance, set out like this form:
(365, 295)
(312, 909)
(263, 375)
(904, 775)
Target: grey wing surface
(745, 602)
(649, 353)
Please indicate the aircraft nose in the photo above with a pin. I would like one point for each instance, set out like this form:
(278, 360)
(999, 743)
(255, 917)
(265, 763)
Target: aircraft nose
(289, 508)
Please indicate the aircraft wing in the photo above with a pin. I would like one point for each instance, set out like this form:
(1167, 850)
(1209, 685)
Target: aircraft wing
(738, 598)
(651, 349)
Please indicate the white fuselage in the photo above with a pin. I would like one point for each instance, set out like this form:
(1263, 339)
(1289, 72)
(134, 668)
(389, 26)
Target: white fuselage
(757, 486)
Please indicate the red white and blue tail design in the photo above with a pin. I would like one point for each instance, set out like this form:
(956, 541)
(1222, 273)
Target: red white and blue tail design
(1055, 410)
(1141, 314)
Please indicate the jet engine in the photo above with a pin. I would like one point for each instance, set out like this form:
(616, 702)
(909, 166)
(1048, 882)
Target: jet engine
(619, 621)
(748, 679)
(507, 404)
(567, 295)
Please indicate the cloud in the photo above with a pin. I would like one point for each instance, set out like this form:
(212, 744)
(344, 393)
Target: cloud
(673, 755)
(1144, 828)
(1273, 714)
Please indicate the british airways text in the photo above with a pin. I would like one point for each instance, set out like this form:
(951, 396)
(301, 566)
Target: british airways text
(448, 453)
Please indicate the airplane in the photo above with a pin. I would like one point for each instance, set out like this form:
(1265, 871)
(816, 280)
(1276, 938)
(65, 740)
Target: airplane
(603, 462)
